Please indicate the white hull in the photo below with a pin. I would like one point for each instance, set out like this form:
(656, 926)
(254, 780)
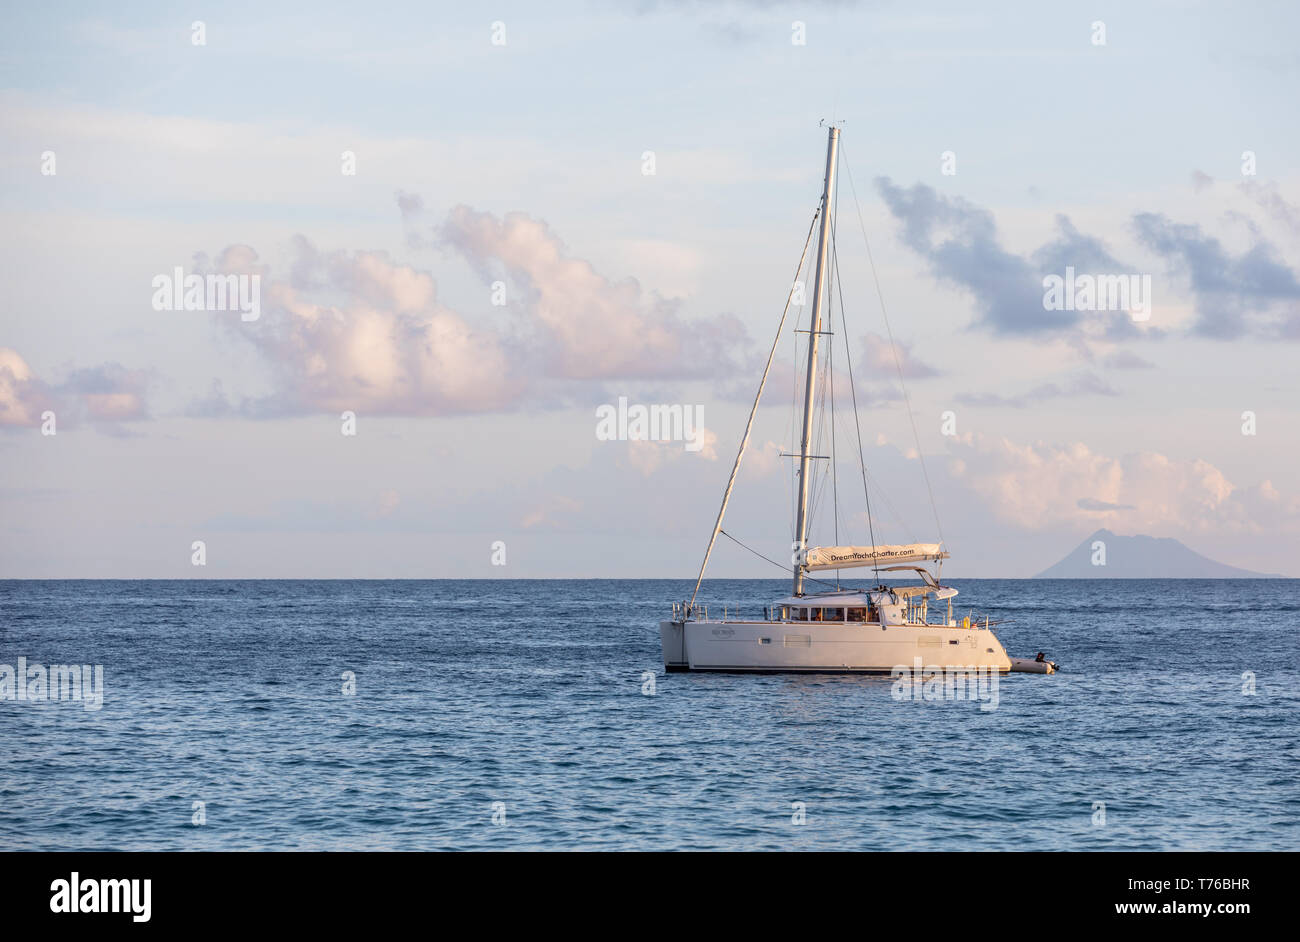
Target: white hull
(826, 648)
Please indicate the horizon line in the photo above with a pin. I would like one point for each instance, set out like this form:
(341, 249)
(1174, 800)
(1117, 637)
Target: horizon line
(1266, 578)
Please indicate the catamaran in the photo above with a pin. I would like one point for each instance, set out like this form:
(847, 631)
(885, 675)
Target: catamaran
(870, 630)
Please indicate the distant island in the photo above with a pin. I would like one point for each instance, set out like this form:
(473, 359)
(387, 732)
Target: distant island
(1141, 557)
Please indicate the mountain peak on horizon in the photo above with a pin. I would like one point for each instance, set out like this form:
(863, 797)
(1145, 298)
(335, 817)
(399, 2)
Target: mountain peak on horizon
(1107, 555)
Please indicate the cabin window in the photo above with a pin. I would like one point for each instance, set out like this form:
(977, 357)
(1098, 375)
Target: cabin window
(857, 614)
(785, 612)
(834, 614)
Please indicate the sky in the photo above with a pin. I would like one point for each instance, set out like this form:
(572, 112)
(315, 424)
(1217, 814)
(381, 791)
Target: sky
(471, 231)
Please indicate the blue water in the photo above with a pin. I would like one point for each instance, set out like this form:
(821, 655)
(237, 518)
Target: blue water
(530, 693)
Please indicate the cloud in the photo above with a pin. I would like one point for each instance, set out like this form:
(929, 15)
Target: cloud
(1101, 506)
(360, 331)
(585, 325)
(23, 397)
(960, 242)
(411, 205)
(1083, 384)
(1271, 201)
(1126, 360)
(214, 405)
(1236, 295)
(381, 343)
(1041, 486)
(878, 356)
(1250, 293)
(647, 456)
(107, 394)
(551, 513)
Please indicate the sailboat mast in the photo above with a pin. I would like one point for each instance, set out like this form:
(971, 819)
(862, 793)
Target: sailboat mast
(805, 458)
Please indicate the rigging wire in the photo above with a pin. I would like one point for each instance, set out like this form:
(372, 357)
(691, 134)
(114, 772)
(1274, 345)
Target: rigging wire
(794, 387)
(735, 469)
(898, 518)
(781, 566)
(894, 349)
(848, 356)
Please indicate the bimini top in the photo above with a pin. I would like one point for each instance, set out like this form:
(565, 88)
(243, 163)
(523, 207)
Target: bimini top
(847, 557)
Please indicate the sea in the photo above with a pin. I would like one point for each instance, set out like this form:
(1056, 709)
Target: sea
(535, 715)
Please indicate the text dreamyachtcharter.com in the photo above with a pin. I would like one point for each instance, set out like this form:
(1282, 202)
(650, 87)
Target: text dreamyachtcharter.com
(57, 682)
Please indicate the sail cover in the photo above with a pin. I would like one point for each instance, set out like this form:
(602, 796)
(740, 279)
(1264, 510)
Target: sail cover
(846, 557)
